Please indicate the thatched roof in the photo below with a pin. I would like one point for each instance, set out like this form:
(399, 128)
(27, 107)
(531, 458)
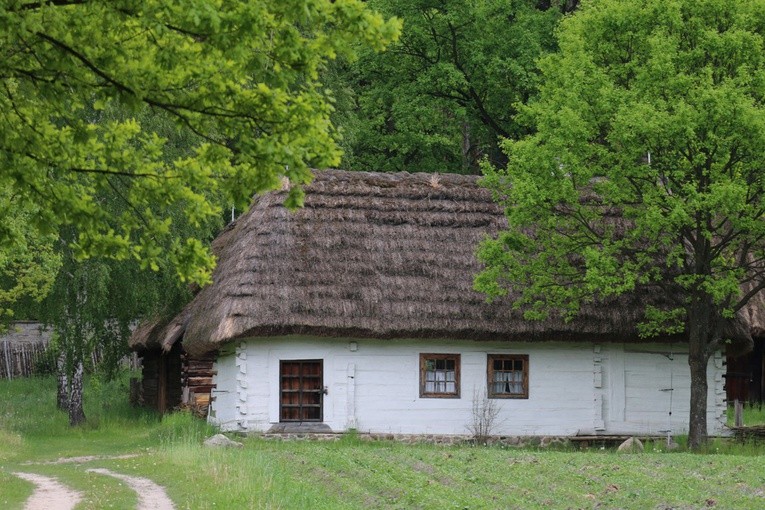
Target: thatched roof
(26, 332)
(370, 255)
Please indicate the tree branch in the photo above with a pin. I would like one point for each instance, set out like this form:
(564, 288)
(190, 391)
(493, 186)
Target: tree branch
(484, 114)
(86, 62)
(127, 202)
(749, 295)
(57, 3)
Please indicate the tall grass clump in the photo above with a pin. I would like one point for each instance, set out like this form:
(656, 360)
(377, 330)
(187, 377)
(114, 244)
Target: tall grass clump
(29, 407)
(107, 403)
(181, 428)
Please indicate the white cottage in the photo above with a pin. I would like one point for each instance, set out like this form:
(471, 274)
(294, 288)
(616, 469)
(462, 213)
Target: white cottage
(357, 312)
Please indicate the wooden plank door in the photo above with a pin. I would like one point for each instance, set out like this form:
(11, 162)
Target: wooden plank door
(301, 390)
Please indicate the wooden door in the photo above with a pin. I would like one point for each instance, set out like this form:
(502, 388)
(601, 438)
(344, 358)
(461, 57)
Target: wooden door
(162, 383)
(301, 392)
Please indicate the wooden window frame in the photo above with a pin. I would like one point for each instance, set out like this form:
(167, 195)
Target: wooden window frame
(424, 357)
(490, 358)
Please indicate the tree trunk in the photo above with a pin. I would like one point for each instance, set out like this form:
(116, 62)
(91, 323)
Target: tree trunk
(700, 333)
(697, 426)
(62, 395)
(76, 413)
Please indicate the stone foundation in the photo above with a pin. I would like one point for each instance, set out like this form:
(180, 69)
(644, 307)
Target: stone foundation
(515, 441)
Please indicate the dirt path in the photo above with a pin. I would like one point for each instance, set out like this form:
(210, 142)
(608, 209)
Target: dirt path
(150, 495)
(49, 494)
(80, 460)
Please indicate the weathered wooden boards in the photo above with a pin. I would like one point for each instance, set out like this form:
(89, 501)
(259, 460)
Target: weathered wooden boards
(20, 359)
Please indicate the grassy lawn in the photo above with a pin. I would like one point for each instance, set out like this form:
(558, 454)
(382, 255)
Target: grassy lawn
(349, 473)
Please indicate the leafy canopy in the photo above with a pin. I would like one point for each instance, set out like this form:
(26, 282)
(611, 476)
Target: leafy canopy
(645, 167)
(28, 267)
(440, 98)
(242, 76)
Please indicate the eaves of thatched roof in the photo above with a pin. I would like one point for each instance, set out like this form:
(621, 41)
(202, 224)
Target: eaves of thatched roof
(158, 333)
(369, 255)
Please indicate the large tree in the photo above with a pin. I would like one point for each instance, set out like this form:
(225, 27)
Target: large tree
(241, 75)
(440, 98)
(653, 112)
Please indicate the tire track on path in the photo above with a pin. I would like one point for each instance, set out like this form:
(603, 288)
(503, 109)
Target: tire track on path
(150, 495)
(49, 494)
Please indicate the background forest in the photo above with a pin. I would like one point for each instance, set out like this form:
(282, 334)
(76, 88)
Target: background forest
(443, 96)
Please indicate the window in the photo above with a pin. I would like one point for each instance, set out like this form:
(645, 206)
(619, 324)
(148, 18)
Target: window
(440, 375)
(508, 375)
(301, 390)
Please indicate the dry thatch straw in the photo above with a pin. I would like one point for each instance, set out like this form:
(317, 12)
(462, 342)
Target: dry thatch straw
(377, 256)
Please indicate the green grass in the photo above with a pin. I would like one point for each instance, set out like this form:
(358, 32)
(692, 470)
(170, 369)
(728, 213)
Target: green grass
(753, 415)
(346, 474)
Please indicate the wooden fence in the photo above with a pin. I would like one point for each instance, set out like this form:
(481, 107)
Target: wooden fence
(22, 359)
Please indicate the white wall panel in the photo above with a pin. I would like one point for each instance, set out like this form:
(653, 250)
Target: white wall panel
(224, 397)
(573, 387)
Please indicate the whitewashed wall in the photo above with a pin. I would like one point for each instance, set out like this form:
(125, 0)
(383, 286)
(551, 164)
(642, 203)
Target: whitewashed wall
(574, 388)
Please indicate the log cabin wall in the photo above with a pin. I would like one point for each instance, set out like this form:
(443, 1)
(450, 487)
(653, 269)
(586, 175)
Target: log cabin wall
(174, 379)
(197, 382)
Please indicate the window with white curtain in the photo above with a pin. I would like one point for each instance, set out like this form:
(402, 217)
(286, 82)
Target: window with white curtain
(508, 375)
(440, 375)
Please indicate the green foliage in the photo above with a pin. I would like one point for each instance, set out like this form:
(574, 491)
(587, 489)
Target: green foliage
(28, 263)
(241, 76)
(89, 307)
(440, 99)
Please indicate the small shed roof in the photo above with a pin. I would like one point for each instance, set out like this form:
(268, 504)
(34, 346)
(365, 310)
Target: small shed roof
(26, 332)
(372, 255)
